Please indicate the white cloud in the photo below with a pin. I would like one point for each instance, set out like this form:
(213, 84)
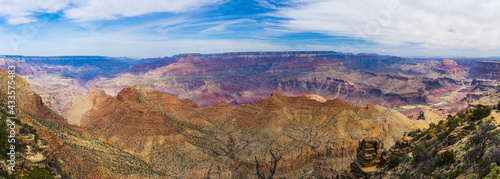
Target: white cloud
(111, 9)
(109, 45)
(20, 20)
(459, 24)
(22, 11)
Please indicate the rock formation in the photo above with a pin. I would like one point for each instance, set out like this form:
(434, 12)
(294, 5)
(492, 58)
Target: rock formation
(369, 156)
(74, 110)
(243, 78)
(448, 66)
(155, 126)
(65, 147)
(487, 70)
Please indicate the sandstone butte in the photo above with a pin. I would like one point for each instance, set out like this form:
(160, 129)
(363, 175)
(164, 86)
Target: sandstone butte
(178, 138)
(141, 132)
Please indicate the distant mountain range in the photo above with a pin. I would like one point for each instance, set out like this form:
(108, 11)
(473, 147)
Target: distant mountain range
(231, 115)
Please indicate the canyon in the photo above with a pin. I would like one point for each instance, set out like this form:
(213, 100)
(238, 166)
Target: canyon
(245, 77)
(227, 115)
(141, 132)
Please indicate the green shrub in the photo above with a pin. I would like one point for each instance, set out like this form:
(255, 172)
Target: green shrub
(39, 173)
(495, 170)
(447, 158)
(455, 173)
(394, 161)
(5, 174)
(471, 126)
(481, 112)
(420, 153)
(428, 136)
(432, 125)
(473, 176)
(445, 134)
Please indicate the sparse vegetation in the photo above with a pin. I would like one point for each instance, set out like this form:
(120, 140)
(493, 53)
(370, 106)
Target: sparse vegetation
(405, 175)
(420, 153)
(493, 155)
(481, 112)
(4, 174)
(276, 157)
(3, 139)
(482, 153)
(394, 161)
(494, 172)
(309, 129)
(447, 158)
(483, 137)
(38, 174)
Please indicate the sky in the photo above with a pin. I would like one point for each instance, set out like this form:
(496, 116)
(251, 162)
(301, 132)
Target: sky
(158, 28)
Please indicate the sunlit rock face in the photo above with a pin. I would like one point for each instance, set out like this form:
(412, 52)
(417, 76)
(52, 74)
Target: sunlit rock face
(148, 124)
(74, 110)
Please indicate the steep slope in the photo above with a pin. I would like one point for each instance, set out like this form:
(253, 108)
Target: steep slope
(74, 110)
(450, 67)
(464, 145)
(82, 157)
(486, 69)
(176, 137)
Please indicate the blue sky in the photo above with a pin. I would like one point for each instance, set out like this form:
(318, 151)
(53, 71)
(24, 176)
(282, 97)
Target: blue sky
(155, 28)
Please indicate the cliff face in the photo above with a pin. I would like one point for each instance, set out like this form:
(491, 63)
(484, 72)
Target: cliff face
(241, 78)
(176, 137)
(448, 66)
(370, 155)
(486, 69)
(74, 110)
(59, 147)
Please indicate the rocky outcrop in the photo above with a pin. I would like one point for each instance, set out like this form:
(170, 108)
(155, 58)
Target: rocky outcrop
(74, 155)
(369, 156)
(424, 115)
(486, 69)
(472, 97)
(421, 116)
(370, 152)
(74, 110)
(401, 148)
(450, 67)
(155, 126)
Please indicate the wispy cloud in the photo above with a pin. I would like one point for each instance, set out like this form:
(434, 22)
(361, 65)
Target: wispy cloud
(429, 23)
(167, 27)
(23, 11)
(112, 9)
